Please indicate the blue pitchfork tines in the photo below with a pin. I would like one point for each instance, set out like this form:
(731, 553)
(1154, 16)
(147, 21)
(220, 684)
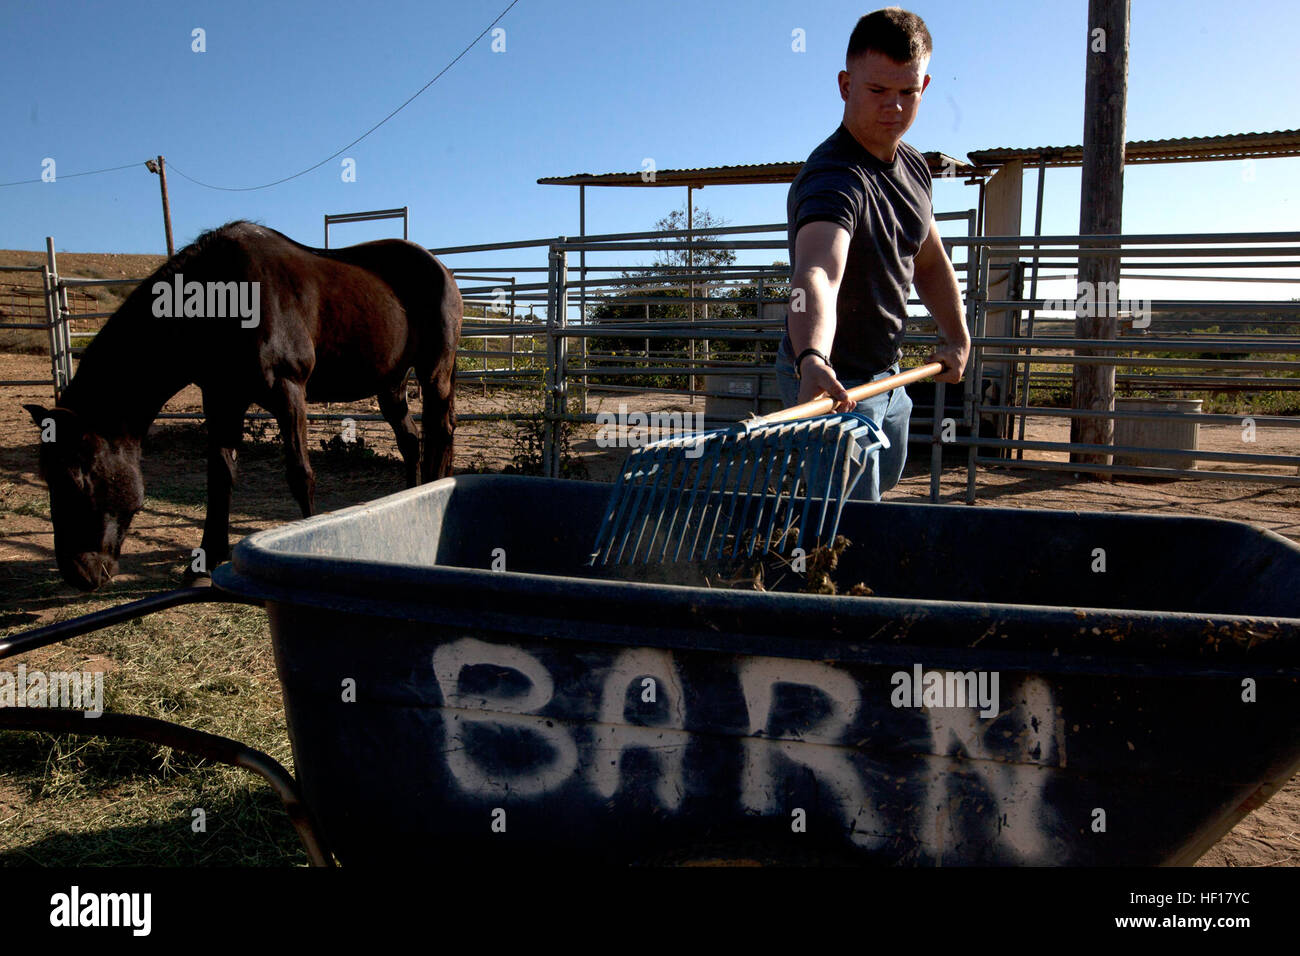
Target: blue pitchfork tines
(726, 494)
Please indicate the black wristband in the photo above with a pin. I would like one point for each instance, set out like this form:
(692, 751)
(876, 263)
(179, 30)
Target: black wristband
(798, 363)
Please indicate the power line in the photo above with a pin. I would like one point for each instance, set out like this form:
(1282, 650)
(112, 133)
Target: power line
(113, 169)
(58, 176)
(335, 154)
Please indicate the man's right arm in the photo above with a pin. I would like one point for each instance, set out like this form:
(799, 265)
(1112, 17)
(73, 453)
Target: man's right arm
(821, 251)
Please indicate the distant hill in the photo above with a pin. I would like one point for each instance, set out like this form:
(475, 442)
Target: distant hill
(21, 293)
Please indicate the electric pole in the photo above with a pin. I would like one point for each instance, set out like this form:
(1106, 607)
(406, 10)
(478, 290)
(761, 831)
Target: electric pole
(159, 166)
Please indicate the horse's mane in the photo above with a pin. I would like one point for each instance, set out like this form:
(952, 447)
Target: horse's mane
(136, 311)
(141, 296)
(202, 245)
(138, 305)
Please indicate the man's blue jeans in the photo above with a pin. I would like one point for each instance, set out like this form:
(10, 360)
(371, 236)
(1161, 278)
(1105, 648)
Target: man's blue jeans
(891, 411)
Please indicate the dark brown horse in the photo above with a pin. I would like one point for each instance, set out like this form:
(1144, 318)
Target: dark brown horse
(250, 316)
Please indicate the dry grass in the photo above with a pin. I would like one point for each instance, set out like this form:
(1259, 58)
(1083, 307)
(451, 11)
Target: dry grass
(94, 801)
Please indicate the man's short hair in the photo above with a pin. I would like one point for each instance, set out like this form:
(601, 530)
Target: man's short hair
(894, 32)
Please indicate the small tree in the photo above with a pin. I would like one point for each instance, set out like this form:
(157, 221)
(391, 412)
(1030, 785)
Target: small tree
(665, 260)
(701, 259)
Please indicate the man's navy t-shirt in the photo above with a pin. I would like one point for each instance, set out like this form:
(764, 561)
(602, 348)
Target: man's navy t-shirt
(887, 209)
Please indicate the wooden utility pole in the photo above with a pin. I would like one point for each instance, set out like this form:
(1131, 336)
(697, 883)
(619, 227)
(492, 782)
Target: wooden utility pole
(159, 166)
(1101, 201)
(690, 268)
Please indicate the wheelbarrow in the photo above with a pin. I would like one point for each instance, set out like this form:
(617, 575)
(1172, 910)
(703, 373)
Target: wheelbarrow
(1020, 687)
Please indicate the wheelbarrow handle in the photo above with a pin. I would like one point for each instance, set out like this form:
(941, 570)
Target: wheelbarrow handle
(186, 740)
(823, 406)
(61, 631)
(136, 727)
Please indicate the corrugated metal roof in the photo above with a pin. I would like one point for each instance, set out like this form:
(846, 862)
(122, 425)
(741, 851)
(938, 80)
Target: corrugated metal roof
(729, 175)
(1187, 149)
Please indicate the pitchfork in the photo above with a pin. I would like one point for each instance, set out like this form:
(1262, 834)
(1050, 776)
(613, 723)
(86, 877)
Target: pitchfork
(694, 498)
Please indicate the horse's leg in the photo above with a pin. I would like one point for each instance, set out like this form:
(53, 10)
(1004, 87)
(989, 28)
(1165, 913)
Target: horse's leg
(397, 413)
(438, 418)
(225, 424)
(288, 403)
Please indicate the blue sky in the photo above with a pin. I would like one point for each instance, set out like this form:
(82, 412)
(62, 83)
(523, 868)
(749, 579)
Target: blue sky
(585, 86)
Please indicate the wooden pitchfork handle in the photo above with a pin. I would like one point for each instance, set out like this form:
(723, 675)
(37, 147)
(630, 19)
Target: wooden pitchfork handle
(821, 406)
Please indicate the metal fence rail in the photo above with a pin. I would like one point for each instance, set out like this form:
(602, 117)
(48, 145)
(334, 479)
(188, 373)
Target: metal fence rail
(1023, 354)
(685, 328)
(15, 293)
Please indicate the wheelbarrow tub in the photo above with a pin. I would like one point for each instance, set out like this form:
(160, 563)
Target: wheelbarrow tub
(440, 708)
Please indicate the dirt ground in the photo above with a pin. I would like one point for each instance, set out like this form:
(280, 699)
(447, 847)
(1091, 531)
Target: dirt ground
(32, 594)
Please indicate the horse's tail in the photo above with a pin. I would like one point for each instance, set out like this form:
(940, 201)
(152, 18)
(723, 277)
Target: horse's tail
(437, 372)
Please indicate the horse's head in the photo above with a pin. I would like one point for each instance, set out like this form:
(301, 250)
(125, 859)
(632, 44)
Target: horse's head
(95, 490)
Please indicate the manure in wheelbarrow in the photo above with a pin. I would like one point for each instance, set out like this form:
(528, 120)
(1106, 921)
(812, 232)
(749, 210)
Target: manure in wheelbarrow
(775, 570)
(779, 568)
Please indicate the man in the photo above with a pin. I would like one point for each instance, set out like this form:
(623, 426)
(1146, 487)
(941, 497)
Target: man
(862, 232)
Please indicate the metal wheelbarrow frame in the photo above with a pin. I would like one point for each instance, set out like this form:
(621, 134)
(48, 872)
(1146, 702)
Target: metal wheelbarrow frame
(59, 720)
(412, 597)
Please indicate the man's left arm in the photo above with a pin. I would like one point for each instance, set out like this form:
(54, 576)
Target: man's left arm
(936, 284)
